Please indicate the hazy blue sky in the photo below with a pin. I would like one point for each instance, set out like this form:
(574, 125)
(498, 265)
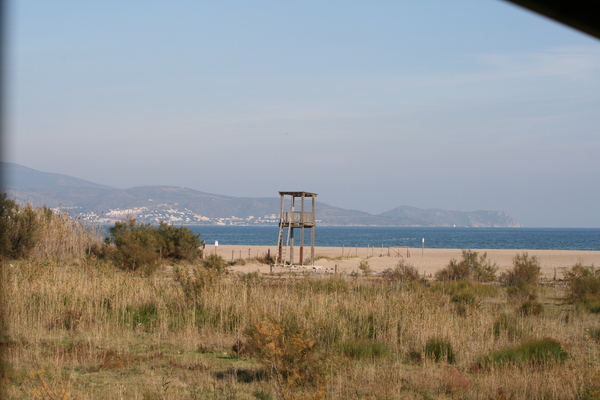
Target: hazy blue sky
(454, 104)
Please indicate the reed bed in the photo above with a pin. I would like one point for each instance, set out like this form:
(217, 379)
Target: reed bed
(83, 330)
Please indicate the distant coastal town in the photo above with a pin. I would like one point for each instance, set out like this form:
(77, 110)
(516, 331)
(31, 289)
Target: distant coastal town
(168, 214)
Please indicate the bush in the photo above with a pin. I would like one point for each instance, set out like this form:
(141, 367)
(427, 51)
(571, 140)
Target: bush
(454, 271)
(592, 304)
(266, 259)
(287, 352)
(466, 286)
(365, 349)
(472, 266)
(22, 227)
(365, 267)
(136, 246)
(508, 325)
(144, 315)
(522, 292)
(583, 286)
(28, 232)
(525, 271)
(215, 263)
(465, 294)
(440, 349)
(402, 272)
(532, 351)
(464, 302)
(179, 243)
(142, 246)
(531, 307)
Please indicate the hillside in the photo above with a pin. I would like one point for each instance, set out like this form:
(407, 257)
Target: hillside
(181, 205)
(438, 217)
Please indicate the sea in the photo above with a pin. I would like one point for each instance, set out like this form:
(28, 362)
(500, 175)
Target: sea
(441, 238)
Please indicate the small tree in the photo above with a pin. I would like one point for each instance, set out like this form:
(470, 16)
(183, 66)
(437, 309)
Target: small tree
(143, 245)
(136, 245)
(583, 286)
(365, 267)
(179, 243)
(6, 208)
(582, 281)
(20, 228)
(403, 272)
(472, 266)
(290, 357)
(525, 271)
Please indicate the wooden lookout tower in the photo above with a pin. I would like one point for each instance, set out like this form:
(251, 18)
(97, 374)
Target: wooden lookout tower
(298, 216)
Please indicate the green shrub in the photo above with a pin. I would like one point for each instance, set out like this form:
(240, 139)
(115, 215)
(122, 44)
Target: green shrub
(145, 315)
(6, 209)
(454, 271)
(482, 269)
(583, 286)
(464, 302)
(472, 266)
(590, 303)
(21, 227)
(525, 271)
(365, 349)
(178, 243)
(440, 350)
(466, 286)
(521, 292)
(38, 233)
(365, 267)
(466, 298)
(402, 272)
(215, 263)
(134, 246)
(532, 351)
(508, 325)
(531, 307)
(465, 295)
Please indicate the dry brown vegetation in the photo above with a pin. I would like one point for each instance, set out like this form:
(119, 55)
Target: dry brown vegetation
(80, 328)
(83, 330)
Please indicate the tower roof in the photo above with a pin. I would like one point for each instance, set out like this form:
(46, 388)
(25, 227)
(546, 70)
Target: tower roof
(298, 194)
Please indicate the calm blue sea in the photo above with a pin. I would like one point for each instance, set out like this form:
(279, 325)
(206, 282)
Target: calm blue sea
(444, 238)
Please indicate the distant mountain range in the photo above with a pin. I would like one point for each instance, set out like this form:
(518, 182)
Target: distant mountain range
(181, 205)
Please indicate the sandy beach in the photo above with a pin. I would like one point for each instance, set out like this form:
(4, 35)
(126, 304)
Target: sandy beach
(428, 261)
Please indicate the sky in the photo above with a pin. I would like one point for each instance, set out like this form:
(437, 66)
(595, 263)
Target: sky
(457, 104)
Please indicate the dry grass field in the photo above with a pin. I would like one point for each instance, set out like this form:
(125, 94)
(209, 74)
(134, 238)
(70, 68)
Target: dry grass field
(82, 329)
